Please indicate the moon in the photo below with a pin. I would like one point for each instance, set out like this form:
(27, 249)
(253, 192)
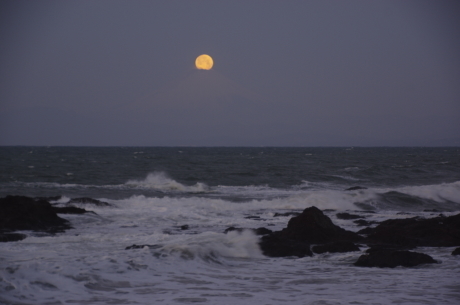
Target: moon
(204, 62)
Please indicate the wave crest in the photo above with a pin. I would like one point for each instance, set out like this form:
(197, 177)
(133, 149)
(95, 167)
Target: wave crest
(161, 182)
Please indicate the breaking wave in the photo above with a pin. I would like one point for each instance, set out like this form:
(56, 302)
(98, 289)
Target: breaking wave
(161, 182)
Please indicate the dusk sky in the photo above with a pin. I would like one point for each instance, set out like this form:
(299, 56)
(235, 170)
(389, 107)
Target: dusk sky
(286, 73)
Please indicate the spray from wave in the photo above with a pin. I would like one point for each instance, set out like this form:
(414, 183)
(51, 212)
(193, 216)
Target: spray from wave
(161, 182)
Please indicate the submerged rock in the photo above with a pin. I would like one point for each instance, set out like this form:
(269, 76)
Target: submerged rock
(348, 216)
(456, 251)
(258, 231)
(88, 200)
(142, 247)
(354, 188)
(390, 258)
(70, 210)
(25, 213)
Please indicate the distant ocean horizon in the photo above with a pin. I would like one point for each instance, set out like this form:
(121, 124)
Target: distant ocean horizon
(182, 199)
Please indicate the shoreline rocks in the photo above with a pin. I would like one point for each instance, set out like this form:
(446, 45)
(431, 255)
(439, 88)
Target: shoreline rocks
(418, 232)
(25, 213)
(390, 258)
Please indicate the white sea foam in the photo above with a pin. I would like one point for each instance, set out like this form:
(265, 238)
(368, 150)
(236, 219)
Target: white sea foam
(213, 245)
(437, 192)
(160, 181)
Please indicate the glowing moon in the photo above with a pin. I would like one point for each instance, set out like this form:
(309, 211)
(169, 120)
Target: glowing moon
(204, 62)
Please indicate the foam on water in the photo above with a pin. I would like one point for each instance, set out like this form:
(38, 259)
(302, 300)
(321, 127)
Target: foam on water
(160, 181)
(182, 219)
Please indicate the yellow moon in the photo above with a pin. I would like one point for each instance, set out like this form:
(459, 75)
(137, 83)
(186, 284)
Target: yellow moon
(204, 62)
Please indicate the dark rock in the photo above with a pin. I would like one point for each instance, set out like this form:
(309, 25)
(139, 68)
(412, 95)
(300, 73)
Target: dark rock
(274, 246)
(366, 231)
(389, 258)
(362, 222)
(336, 247)
(25, 213)
(88, 200)
(286, 214)
(229, 229)
(312, 226)
(354, 188)
(184, 227)
(142, 246)
(419, 232)
(70, 210)
(7, 237)
(456, 251)
(50, 198)
(262, 231)
(378, 247)
(348, 216)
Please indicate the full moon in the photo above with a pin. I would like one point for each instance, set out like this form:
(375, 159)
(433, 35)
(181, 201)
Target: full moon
(204, 62)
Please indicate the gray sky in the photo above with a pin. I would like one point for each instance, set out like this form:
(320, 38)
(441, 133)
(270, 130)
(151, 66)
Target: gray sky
(286, 73)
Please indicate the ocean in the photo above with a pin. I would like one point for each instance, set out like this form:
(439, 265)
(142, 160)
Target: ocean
(180, 201)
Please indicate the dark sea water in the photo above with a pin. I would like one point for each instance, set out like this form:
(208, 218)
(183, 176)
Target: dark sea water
(154, 192)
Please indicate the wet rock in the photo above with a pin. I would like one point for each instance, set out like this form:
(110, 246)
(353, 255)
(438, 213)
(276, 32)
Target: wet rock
(7, 237)
(336, 247)
(354, 188)
(348, 216)
(286, 214)
(262, 231)
(70, 210)
(25, 213)
(50, 198)
(389, 258)
(274, 246)
(366, 231)
(142, 247)
(362, 222)
(88, 200)
(253, 217)
(456, 251)
(419, 232)
(184, 227)
(312, 226)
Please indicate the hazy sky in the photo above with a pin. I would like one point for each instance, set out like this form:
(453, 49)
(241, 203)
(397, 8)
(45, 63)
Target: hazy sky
(286, 73)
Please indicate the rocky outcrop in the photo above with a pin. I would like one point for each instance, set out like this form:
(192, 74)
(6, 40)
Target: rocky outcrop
(390, 258)
(310, 227)
(70, 210)
(418, 232)
(456, 251)
(274, 245)
(7, 237)
(25, 213)
(314, 227)
(336, 247)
